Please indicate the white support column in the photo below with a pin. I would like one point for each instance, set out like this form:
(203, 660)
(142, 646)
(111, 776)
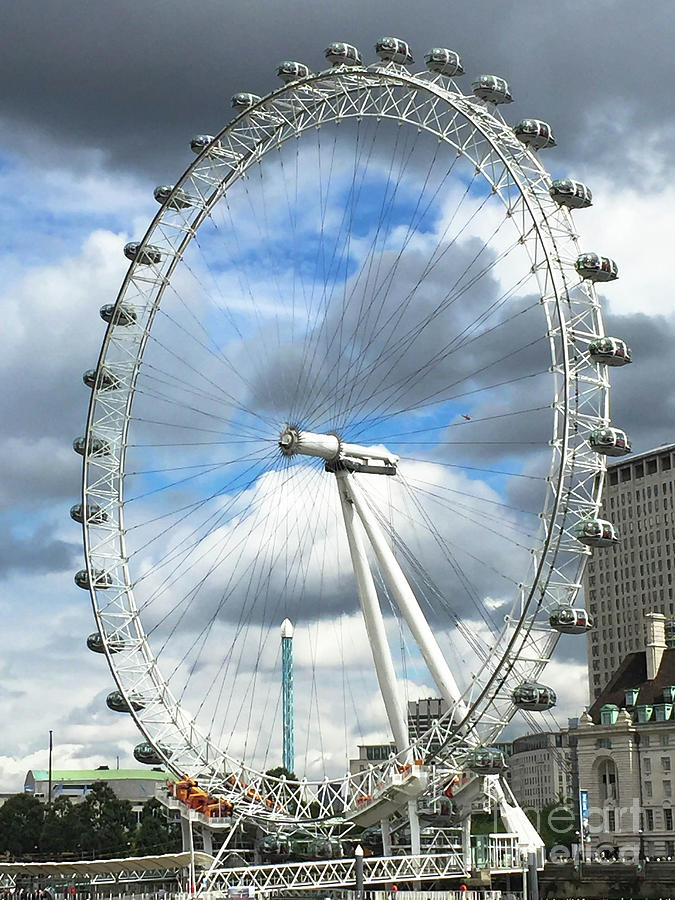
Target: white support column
(207, 840)
(413, 818)
(466, 843)
(374, 621)
(386, 837)
(407, 602)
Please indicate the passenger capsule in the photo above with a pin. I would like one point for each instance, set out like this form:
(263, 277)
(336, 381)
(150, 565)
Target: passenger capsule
(340, 54)
(145, 753)
(244, 100)
(486, 761)
(610, 350)
(174, 199)
(568, 620)
(572, 194)
(115, 701)
(609, 441)
(200, 142)
(95, 447)
(394, 50)
(534, 697)
(102, 580)
(95, 644)
(288, 71)
(596, 268)
(492, 88)
(444, 61)
(123, 315)
(100, 378)
(95, 514)
(596, 533)
(534, 133)
(144, 256)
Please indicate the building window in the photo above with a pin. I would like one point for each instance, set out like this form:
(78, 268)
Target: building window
(649, 819)
(667, 789)
(647, 766)
(665, 763)
(611, 820)
(648, 789)
(664, 740)
(668, 819)
(645, 741)
(607, 774)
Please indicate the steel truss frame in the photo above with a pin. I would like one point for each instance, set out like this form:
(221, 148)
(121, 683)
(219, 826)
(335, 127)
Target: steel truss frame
(580, 402)
(503, 851)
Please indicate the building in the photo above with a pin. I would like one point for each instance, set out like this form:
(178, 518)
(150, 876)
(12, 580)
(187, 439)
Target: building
(626, 753)
(635, 576)
(541, 769)
(370, 755)
(421, 716)
(135, 785)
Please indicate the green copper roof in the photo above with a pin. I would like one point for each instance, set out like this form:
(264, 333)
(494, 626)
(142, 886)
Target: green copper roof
(80, 775)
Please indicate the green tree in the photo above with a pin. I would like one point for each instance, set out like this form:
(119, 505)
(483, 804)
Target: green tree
(106, 824)
(21, 819)
(61, 829)
(556, 823)
(278, 771)
(155, 833)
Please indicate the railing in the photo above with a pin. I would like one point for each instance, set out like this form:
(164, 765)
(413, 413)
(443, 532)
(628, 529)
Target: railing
(501, 855)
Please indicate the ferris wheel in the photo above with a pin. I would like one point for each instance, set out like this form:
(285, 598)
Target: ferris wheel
(355, 378)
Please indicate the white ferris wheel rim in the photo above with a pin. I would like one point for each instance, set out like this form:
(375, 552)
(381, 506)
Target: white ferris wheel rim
(572, 312)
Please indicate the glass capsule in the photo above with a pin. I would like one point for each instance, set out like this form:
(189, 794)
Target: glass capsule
(492, 88)
(341, 54)
(610, 350)
(392, 49)
(123, 315)
(144, 256)
(444, 61)
(570, 193)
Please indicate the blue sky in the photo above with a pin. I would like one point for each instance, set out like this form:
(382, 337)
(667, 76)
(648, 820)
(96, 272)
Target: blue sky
(104, 118)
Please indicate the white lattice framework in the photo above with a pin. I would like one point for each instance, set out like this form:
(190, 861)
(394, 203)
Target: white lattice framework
(572, 317)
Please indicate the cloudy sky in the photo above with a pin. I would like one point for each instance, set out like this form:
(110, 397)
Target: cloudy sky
(100, 103)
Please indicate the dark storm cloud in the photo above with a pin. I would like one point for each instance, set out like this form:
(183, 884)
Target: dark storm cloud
(138, 79)
(642, 398)
(36, 553)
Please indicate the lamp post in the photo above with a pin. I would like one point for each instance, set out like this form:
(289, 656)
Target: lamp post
(51, 750)
(358, 857)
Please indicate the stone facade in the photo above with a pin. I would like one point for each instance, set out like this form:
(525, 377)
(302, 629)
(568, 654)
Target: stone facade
(541, 769)
(626, 754)
(623, 582)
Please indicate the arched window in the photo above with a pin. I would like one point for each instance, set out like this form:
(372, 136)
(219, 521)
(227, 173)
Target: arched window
(608, 780)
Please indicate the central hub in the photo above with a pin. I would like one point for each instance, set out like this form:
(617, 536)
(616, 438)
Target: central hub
(329, 447)
(307, 443)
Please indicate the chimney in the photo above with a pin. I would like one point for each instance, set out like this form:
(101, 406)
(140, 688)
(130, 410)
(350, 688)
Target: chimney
(656, 642)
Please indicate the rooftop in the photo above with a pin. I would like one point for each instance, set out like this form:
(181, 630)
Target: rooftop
(81, 775)
(632, 673)
(634, 457)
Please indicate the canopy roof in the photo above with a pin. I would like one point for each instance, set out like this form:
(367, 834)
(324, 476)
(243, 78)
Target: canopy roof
(80, 775)
(108, 866)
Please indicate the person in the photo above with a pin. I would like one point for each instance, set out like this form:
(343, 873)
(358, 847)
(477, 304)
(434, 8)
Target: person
(463, 887)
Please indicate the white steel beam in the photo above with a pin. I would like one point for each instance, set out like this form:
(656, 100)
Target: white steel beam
(407, 602)
(373, 619)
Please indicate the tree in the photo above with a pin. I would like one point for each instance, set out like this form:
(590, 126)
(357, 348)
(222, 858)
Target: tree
(556, 823)
(278, 771)
(61, 830)
(106, 824)
(155, 833)
(21, 819)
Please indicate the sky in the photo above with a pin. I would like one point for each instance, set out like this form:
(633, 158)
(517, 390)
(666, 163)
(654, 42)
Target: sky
(101, 104)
